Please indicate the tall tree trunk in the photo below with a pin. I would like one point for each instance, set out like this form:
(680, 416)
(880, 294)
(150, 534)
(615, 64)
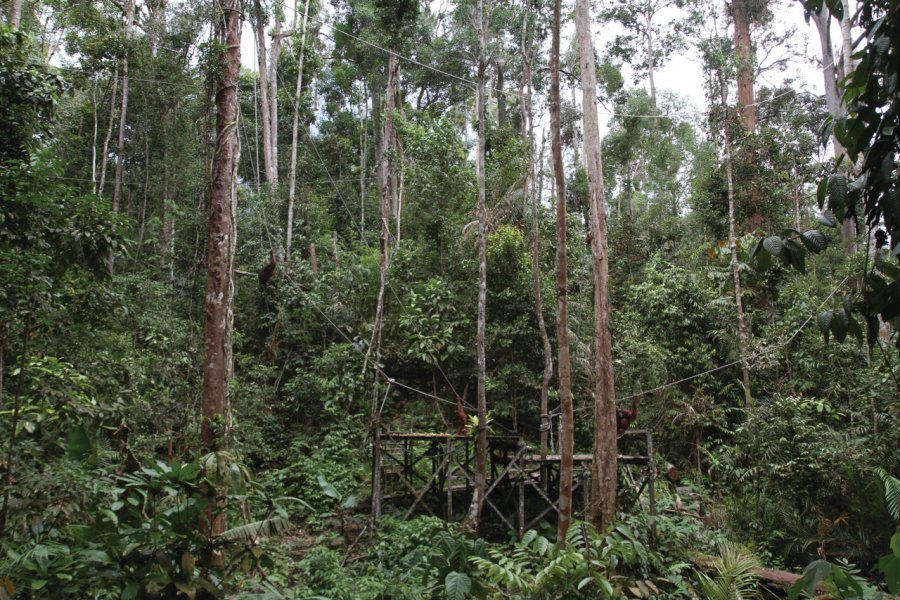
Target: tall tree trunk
(501, 97)
(292, 173)
(744, 52)
(539, 306)
(123, 112)
(651, 58)
(385, 181)
(15, 14)
(847, 40)
(217, 366)
(265, 108)
(534, 186)
(363, 152)
(275, 55)
(473, 517)
(109, 129)
(833, 100)
(567, 428)
(743, 341)
(123, 118)
(603, 466)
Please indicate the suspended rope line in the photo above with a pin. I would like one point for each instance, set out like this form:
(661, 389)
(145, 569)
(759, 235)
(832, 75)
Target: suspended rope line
(735, 362)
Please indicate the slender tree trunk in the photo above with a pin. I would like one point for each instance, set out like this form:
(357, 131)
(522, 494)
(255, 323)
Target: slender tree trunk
(539, 306)
(123, 118)
(123, 113)
(744, 51)
(265, 107)
(743, 342)
(567, 429)
(603, 467)
(473, 517)
(109, 130)
(334, 250)
(275, 55)
(501, 97)
(535, 185)
(143, 216)
(292, 173)
(363, 151)
(384, 242)
(94, 102)
(651, 59)
(217, 367)
(313, 261)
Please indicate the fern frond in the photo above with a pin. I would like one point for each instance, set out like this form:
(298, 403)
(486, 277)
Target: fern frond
(891, 492)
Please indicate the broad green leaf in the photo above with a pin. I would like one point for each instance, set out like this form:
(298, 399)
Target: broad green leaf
(890, 566)
(839, 325)
(823, 320)
(794, 254)
(855, 329)
(837, 8)
(773, 245)
(826, 218)
(328, 489)
(814, 573)
(814, 240)
(821, 192)
(837, 191)
(130, 592)
(756, 248)
(457, 585)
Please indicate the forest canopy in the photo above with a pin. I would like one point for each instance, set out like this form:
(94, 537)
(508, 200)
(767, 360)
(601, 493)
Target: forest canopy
(400, 299)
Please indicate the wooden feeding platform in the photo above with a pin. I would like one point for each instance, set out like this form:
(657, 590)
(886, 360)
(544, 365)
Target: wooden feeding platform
(434, 473)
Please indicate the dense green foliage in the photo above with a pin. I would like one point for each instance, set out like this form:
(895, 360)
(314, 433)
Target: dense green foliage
(103, 485)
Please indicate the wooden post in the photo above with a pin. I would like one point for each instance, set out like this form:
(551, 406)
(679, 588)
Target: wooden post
(376, 475)
(521, 486)
(450, 479)
(651, 478)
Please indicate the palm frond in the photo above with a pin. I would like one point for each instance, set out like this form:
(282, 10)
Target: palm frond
(252, 532)
(734, 578)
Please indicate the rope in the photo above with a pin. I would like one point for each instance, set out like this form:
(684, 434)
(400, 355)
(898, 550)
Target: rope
(735, 362)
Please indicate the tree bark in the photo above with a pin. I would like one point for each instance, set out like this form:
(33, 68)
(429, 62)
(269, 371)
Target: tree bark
(534, 187)
(743, 341)
(363, 151)
(94, 102)
(218, 323)
(833, 99)
(567, 429)
(603, 466)
(15, 14)
(265, 107)
(651, 59)
(109, 130)
(744, 51)
(292, 173)
(275, 55)
(123, 112)
(501, 97)
(385, 181)
(473, 517)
